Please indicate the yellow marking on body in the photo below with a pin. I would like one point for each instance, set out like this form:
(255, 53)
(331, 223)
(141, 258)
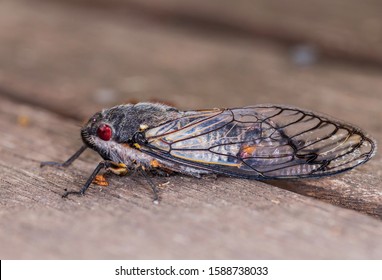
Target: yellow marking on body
(136, 145)
(143, 127)
(119, 169)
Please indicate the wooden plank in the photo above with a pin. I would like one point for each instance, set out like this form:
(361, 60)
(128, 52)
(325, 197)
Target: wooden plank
(74, 62)
(130, 59)
(197, 218)
(343, 29)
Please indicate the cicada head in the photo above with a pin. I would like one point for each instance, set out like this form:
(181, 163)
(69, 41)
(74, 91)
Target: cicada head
(108, 130)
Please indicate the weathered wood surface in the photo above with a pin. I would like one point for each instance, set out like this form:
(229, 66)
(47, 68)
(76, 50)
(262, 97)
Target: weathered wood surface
(344, 29)
(72, 57)
(223, 218)
(66, 62)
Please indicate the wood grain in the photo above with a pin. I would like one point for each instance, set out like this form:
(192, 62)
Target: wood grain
(60, 63)
(197, 218)
(346, 30)
(77, 61)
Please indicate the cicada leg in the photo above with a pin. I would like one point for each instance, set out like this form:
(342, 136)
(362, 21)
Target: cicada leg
(110, 165)
(118, 169)
(121, 169)
(152, 185)
(66, 163)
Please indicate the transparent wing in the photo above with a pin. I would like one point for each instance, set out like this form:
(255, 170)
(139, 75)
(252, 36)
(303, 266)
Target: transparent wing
(265, 141)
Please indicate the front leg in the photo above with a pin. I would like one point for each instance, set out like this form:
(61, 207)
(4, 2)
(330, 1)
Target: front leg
(117, 168)
(66, 163)
(121, 169)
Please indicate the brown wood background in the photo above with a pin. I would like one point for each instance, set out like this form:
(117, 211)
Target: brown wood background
(61, 61)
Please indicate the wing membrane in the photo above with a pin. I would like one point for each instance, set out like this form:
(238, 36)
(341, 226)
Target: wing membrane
(265, 141)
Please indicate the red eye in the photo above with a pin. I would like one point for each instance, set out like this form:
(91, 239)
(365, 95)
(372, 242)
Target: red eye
(104, 132)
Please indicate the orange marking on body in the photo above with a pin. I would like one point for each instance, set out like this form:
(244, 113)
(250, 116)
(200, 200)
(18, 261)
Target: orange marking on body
(119, 169)
(154, 163)
(100, 180)
(247, 151)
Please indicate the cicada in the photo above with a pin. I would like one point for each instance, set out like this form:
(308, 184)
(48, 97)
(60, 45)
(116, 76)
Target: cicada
(255, 142)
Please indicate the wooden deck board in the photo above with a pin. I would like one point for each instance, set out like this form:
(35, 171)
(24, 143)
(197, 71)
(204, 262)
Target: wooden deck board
(197, 218)
(60, 66)
(347, 30)
(78, 62)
